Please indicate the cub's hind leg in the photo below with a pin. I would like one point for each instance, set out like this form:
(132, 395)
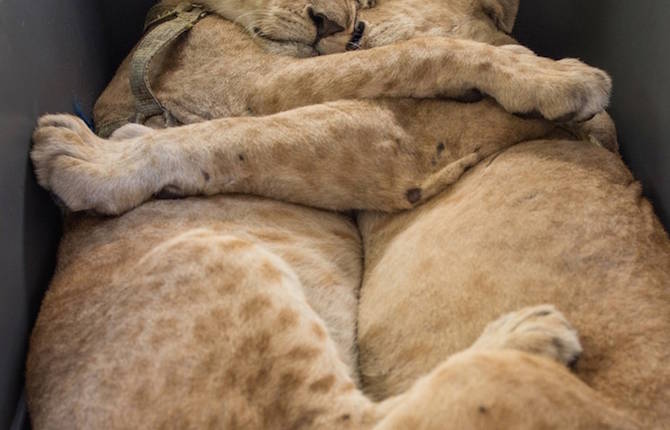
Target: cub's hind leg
(207, 330)
(504, 389)
(502, 381)
(262, 356)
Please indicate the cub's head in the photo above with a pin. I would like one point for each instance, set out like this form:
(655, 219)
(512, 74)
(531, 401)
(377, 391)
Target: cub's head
(290, 24)
(312, 27)
(488, 21)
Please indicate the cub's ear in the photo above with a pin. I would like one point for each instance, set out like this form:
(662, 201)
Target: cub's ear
(503, 12)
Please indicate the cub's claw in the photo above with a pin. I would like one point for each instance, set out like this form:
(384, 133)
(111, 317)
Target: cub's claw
(539, 330)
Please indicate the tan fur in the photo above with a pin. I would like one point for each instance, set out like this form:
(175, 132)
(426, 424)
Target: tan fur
(251, 79)
(261, 249)
(357, 154)
(560, 222)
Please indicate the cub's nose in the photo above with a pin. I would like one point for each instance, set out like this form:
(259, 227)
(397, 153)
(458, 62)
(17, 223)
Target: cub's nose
(324, 26)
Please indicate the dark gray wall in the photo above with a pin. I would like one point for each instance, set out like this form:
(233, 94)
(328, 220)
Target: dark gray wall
(123, 23)
(631, 40)
(51, 53)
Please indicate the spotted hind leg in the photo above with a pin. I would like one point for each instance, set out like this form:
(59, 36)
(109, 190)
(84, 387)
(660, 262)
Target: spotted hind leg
(258, 356)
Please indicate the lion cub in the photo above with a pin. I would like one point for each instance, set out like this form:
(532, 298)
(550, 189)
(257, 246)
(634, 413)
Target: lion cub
(239, 312)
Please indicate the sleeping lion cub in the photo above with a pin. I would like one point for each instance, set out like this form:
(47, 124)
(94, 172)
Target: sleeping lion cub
(238, 312)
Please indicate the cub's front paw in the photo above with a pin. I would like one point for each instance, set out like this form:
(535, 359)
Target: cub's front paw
(539, 330)
(563, 91)
(83, 170)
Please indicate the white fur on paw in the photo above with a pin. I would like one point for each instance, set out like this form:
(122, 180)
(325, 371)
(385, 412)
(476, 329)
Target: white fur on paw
(84, 171)
(564, 91)
(541, 330)
(59, 142)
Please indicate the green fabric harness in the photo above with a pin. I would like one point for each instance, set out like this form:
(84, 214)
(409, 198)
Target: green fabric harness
(163, 25)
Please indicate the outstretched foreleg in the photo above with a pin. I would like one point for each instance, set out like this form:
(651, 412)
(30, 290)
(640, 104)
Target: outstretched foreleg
(342, 155)
(516, 78)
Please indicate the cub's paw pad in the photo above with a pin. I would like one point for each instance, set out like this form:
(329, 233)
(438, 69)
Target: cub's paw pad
(541, 330)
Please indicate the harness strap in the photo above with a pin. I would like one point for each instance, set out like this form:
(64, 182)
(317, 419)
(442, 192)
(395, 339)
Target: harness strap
(168, 22)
